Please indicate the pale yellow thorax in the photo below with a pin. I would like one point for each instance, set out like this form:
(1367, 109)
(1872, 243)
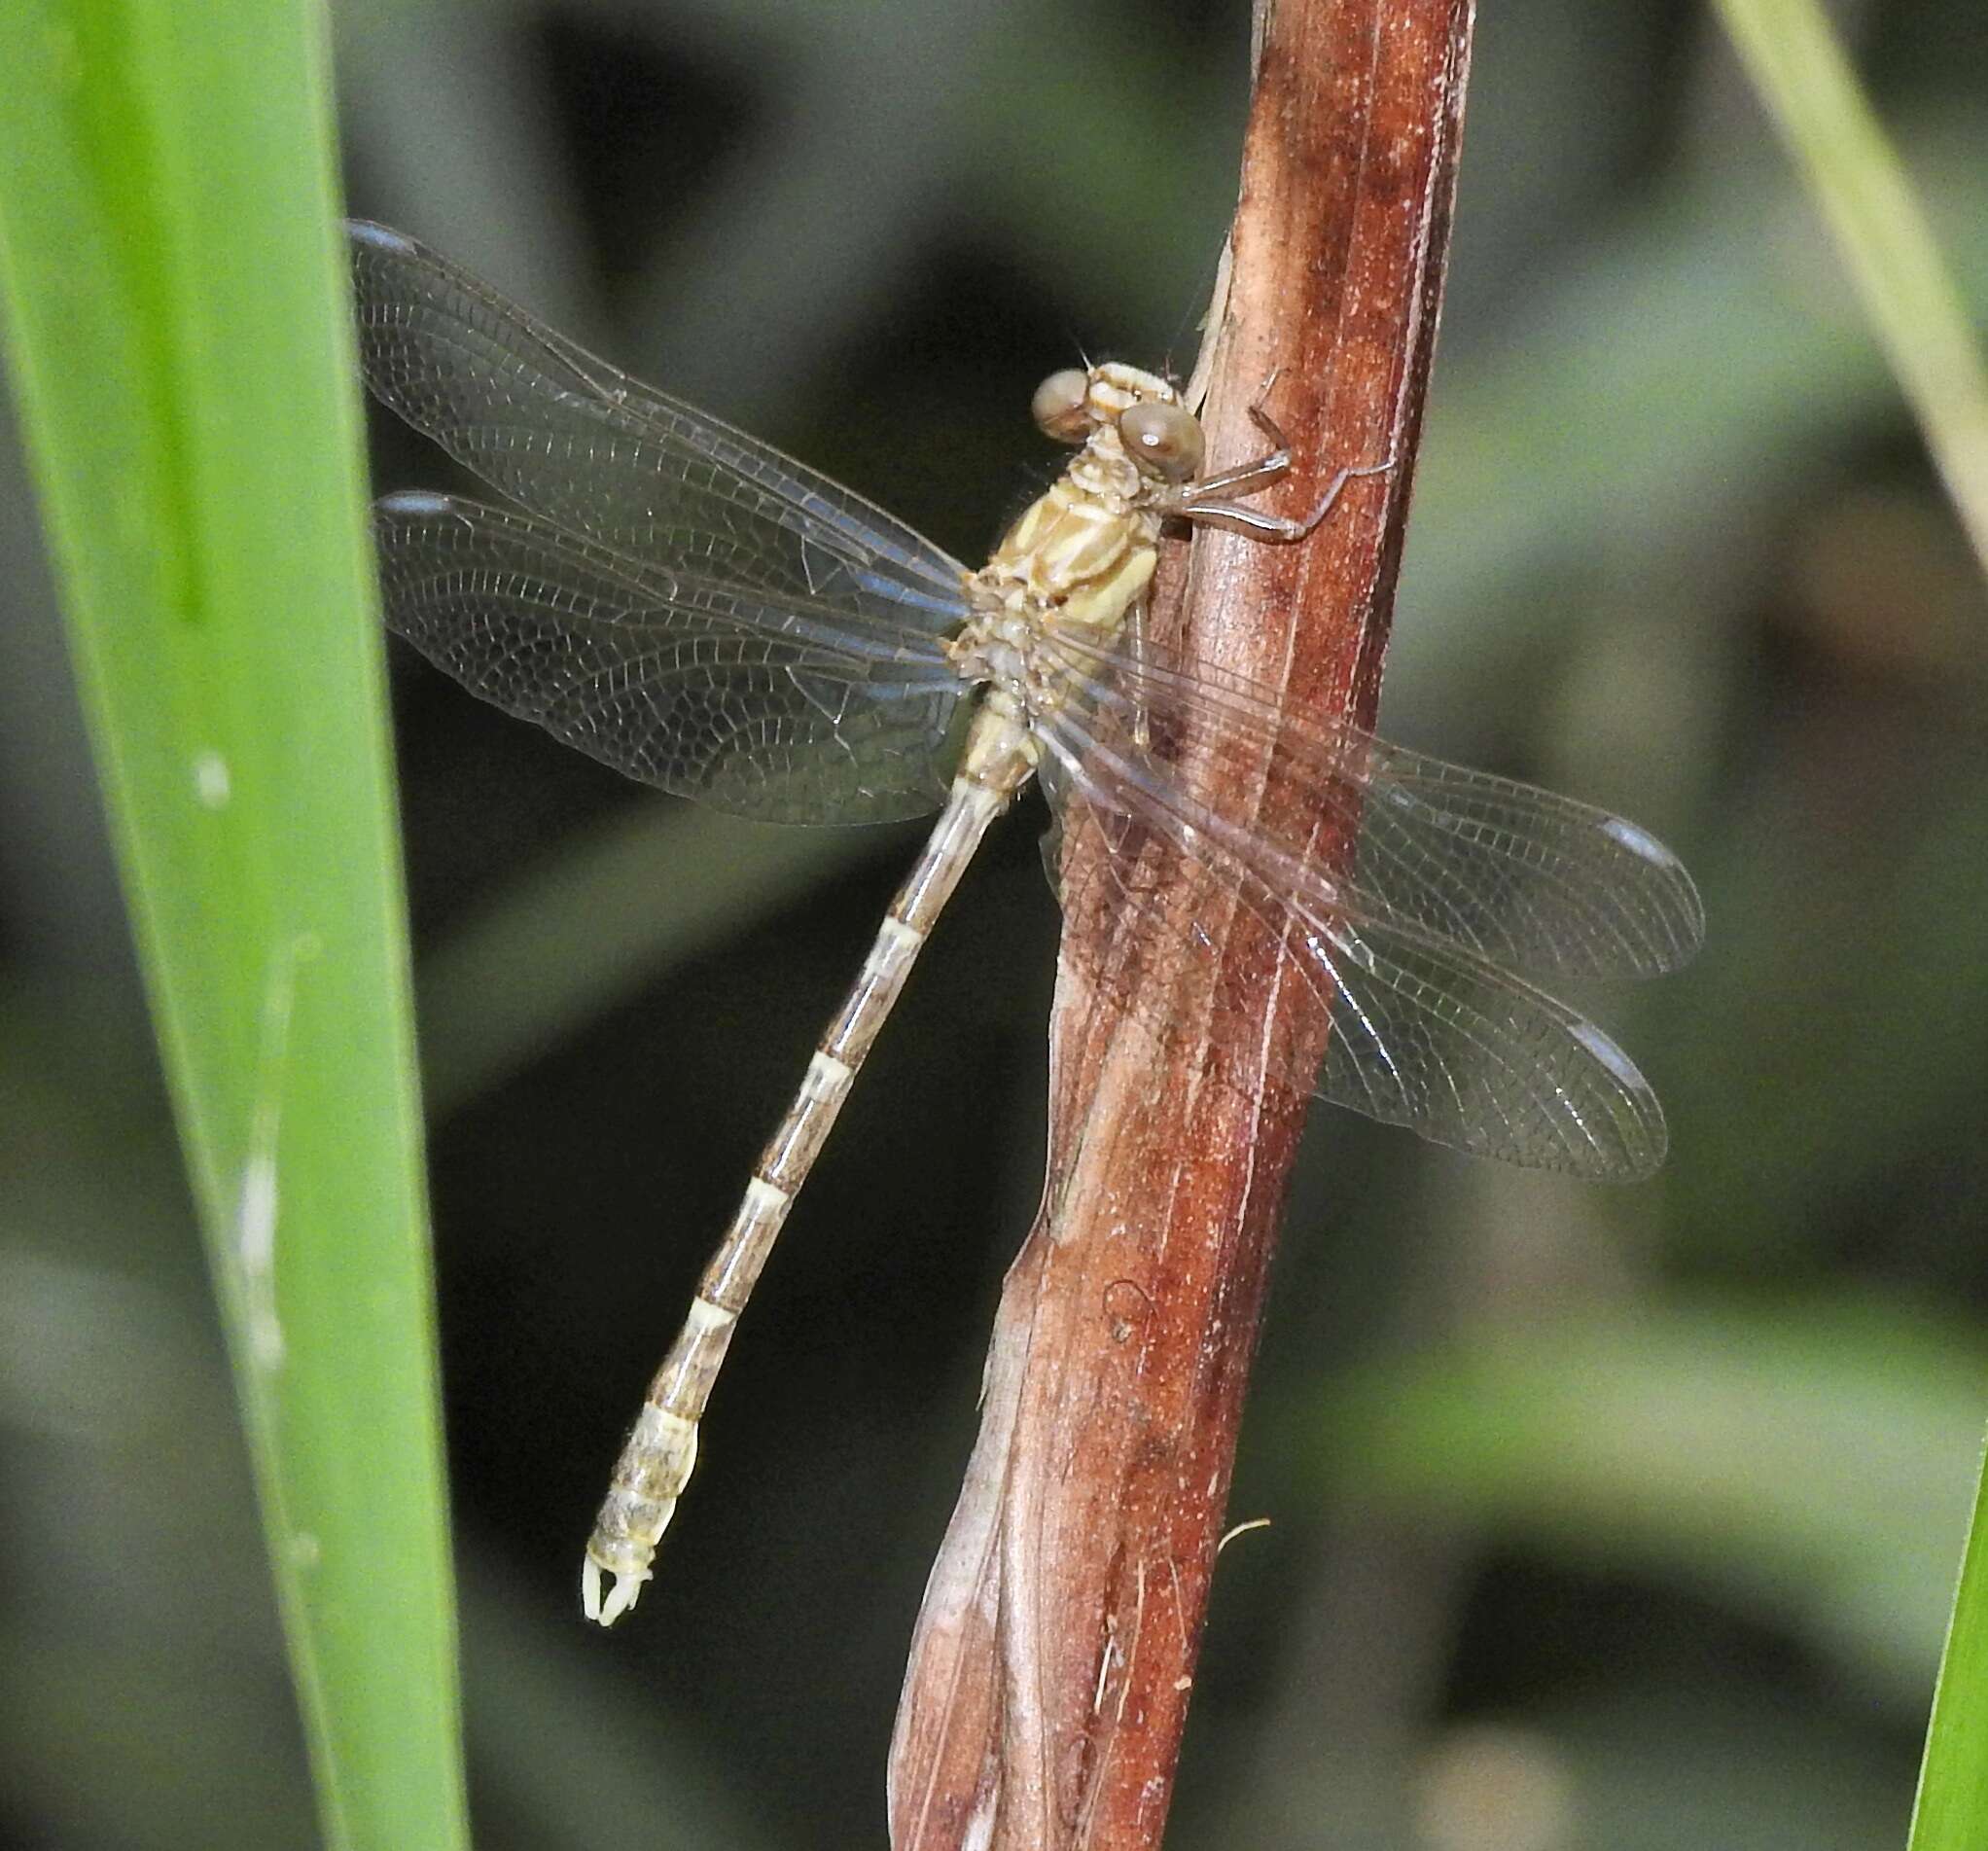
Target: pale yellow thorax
(1083, 553)
(1081, 558)
(1075, 556)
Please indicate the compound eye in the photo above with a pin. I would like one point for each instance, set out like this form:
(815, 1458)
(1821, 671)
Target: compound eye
(1061, 407)
(1165, 439)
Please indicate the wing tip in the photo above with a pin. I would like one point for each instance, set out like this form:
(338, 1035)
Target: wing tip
(1683, 910)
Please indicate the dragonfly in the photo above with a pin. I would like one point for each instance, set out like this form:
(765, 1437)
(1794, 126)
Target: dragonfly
(686, 604)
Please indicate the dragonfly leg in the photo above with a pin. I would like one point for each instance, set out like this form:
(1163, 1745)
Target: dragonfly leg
(1238, 519)
(1211, 502)
(1135, 626)
(1245, 477)
(1260, 472)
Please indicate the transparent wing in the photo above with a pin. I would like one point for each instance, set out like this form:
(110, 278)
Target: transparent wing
(572, 438)
(1464, 875)
(1511, 874)
(783, 710)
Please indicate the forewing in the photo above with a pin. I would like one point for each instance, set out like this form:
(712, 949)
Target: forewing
(780, 710)
(1426, 1031)
(1510, 873)
(594, 451)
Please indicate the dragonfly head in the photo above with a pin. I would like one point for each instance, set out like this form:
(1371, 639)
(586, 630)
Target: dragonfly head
(1140, 411)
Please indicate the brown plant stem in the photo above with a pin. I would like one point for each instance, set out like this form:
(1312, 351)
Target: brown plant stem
(1048, 1689)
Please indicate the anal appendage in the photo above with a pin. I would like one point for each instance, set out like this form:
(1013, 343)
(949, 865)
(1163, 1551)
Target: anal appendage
(624, 1589)
(650, 1477)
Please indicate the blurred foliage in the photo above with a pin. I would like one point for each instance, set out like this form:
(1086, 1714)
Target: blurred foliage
(1617, 1519)
(1809, 1463)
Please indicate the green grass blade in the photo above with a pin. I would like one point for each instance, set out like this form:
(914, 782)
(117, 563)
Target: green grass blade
(1797, 64)
(173, 297)
(1951, 1810)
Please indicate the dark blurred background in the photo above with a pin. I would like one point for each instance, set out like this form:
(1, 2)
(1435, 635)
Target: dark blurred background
(1601, 1518)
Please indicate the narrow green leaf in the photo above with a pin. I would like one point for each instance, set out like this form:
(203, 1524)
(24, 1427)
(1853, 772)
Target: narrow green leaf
(1797, 64)
(1951, 1810)
(173, 293)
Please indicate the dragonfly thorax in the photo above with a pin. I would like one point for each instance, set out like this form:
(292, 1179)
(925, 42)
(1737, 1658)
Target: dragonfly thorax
(1083, 553)
(1073, 557)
